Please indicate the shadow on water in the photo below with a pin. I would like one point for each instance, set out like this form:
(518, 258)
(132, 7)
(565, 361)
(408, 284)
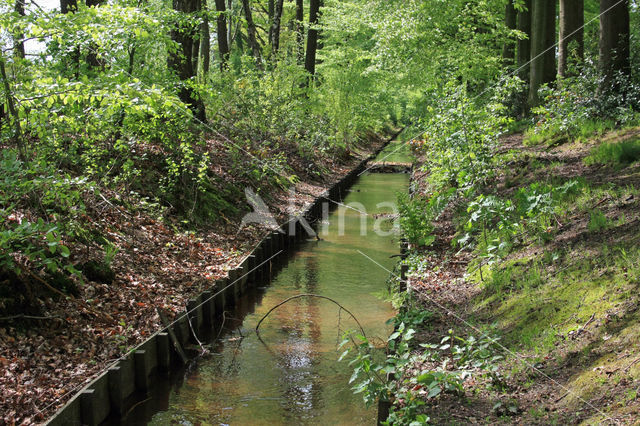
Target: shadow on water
(290, 374)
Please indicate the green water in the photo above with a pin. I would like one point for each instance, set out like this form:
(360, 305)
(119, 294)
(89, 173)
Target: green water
(292, 376)
(396, 152)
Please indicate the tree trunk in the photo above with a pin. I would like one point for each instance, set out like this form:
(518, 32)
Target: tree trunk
(510, 20)
(312, 38)
(223, 45)
(543, 36)
(300, 30)
(181, 61)
(571, 33)
(230, 32)
(18, 36)
(274, 31)
(271, 12)
(251, 31)
(92, 57)
(205, 39)
(70, 6)
(614, 41)
(22, 151)
(524, 46)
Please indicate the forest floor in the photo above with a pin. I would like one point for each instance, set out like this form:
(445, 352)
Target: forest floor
(46, 359)
(565, 308)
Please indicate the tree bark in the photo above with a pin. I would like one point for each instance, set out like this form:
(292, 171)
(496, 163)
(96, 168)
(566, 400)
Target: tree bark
(68, 6)
(92, 57)
(571, 33)
(181, 61)
(543, 36)
(274, 31)
(312, 37)
(223, 39)
(510, 20)
(205, 39)
(71, 6)
(230, 32)
(300, 30)
(614, 40)
(22, 151)
(19, 35)
(524, 45)
(251, 31)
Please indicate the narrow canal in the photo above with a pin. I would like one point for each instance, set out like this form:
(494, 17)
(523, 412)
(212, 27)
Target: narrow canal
(291, 374)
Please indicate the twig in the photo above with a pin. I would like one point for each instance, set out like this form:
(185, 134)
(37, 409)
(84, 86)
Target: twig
(224, 319)
(19, 316)
(43, 282)
(310, 295)
(202, 348)
(135, 405)
(634, 362)
(562, 397)
(172, 336)
(593, 315)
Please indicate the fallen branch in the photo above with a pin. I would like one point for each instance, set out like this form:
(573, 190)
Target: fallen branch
(172, 336)
(310, 295)
(21, 316)
(634, 362)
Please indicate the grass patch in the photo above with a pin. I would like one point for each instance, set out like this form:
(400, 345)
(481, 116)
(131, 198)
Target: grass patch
(558, 133)
(597, 221)
(535, 306)
(624, 153)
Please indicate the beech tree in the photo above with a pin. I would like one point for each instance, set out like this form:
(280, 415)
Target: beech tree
(524, 44)
(221, 30)
(274, 30)
(205, 38)
(543, 38)
(181, 60)
(614, 40)
(19, 35)
(299, 28)
(510, 20)
(251, 32)
(312, 37)
(571, 33)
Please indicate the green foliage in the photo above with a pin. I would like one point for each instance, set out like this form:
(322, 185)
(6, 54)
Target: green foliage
(460, 138)
(36, 240)
(578, 108)
(417, 214)
(454, 358)
(625, 152)
(495, 225)
(597, 221)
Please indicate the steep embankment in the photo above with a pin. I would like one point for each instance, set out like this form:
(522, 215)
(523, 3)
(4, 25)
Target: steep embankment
(156, 262)
(560, 293)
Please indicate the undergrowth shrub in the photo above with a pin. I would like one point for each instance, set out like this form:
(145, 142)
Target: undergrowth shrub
(578, 107)
(39, 239)
(418, 213)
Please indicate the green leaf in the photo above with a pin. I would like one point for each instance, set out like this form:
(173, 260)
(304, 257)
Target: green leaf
(64, 251)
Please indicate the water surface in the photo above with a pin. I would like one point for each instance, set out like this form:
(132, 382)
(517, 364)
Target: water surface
(290, 374)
